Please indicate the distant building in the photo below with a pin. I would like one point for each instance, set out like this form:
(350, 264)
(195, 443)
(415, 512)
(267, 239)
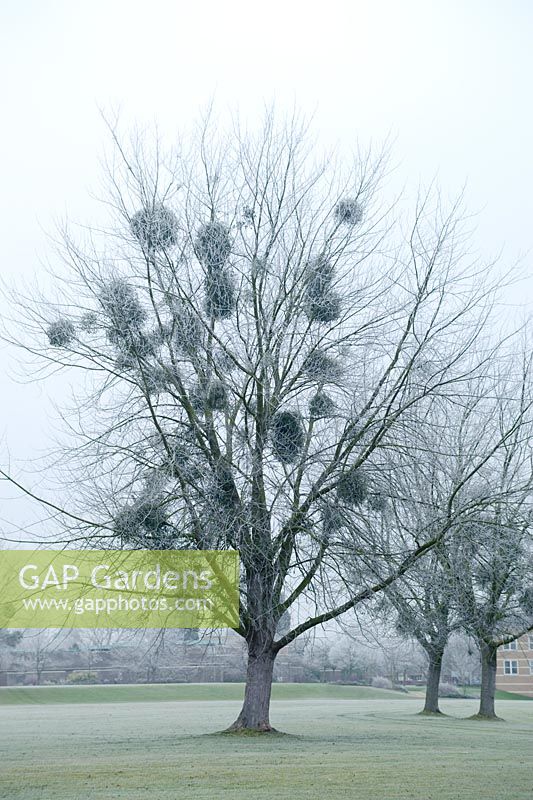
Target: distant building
(514, 672)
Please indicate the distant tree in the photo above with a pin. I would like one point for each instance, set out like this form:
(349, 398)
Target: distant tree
(248, 326)
(423, 603)
(494, 575)
(452, 445)
(496, 595)
(39, 644)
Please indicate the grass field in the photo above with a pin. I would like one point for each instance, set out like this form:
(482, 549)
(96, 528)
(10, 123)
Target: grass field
(149, 743)
(134, 693)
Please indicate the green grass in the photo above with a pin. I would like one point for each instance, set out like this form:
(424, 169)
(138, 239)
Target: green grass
(499, 694)
(154, 693)
(473, 691)
(344, 746)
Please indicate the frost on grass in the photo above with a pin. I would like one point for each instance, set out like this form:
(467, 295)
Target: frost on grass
(155, 228)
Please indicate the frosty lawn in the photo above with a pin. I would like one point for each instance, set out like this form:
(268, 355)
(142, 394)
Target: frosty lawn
(345, 743)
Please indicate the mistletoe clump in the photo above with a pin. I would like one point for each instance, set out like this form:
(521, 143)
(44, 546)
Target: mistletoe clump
(319, 274)
(184, 331)
(322, 304)
(219, 294)
(377, 502)
(155, 379)
(224, 492)
(125, 361)
(332, 518)
(89, 322)
(187, 328)
(352, 487)
(224, 361)
(145, 517)
(61, 333)
(287, 436)
(325, 309)
(321, 405)
(182, 457)
(122, 307)
(133, 347)
(321, 367)
(213, 245)
(213, 396)
(348, 211)
(156, 228)
(216, 398)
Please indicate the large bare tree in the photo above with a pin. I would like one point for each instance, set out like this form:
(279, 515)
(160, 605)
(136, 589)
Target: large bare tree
(247, 326)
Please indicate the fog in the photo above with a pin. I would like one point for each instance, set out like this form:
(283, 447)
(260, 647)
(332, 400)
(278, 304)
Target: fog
(449, 83)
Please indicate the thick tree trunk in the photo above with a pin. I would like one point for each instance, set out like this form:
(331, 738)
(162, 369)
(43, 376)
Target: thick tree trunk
(431, 706)
(255, 712)
(488, 681)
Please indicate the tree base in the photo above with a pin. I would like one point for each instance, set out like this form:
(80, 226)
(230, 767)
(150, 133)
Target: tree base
(237, 729)
(425, 713)
(487, 717)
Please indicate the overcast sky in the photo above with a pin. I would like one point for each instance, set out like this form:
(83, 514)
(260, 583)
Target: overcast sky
(450, 81)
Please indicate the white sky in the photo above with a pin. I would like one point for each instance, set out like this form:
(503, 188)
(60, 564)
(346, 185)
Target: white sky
(450, 80)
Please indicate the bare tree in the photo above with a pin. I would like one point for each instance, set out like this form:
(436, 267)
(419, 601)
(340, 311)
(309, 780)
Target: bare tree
(439, 482)
(248, 327)
(39, 644)
(8, 639)
(494, 582)
(423, 603)
(446, 453)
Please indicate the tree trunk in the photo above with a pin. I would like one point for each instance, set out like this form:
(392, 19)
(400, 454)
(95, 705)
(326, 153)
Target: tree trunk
(488, 681)
(431, 706)
(255, 712)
